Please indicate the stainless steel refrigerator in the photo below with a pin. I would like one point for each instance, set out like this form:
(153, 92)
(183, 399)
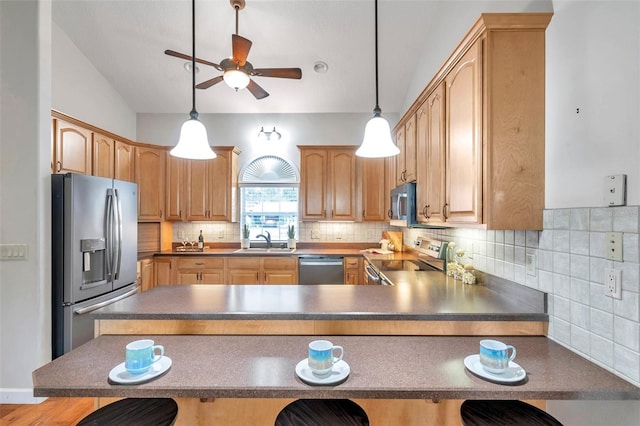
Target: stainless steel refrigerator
(94, 252)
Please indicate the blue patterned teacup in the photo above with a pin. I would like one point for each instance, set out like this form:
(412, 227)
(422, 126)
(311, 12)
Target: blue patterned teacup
(321, 357)
(494, 355)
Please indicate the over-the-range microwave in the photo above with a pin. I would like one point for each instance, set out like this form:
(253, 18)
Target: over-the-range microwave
(403, 205)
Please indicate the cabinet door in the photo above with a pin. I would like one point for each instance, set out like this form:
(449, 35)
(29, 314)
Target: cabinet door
(280, 277)
(313, 184)
(219, 187)
(399, 159)
(463, 134)
(124, 162)
(342, 177)
(410, 150)
(72, 148)
(175, 187)
(103, 156)
(188, 277)
(212, 277)
(163, 271)
(146, 274)
(197, 190)
(431, 153)
(150, 170)
(374, 189)
(243, 276)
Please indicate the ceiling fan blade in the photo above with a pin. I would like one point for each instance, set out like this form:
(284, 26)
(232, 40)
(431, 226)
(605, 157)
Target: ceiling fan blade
(189, 58)
(278, 72)
(256, 90)
(241, 47)
(209, 83)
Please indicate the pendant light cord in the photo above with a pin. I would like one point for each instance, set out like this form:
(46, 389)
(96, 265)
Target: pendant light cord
(194, 113)
(376, 111)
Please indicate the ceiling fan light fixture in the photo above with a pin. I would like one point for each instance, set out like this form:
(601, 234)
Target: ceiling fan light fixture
(377, 142)
(193, 142)
(236, 79)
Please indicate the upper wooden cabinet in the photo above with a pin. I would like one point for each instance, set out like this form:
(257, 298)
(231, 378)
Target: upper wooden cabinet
(491, 91)
(150, 170)
(71, 148)
(112, 158)
(374, 188)
(176, 199)
(430, 188)
(405, 137)
(328, 183)
(212, 187)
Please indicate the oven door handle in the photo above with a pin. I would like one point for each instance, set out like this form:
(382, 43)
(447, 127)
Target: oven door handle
(371, 274)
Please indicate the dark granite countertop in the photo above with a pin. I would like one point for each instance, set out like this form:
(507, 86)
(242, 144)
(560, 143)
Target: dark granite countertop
(418, 296)
(382, 367)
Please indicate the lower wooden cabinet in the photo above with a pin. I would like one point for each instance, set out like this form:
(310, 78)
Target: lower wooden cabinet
(165, 270)
(353, 270)
(262, 270)
(200, 270)
(145, 274)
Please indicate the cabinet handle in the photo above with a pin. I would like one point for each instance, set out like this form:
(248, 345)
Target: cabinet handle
(180, 214)
(59, 164)
(425, 211)
(363, 213)
(444, 210)
(331, 212)
(265, 278)
(199, 263)
(390, 213)
(257, 276)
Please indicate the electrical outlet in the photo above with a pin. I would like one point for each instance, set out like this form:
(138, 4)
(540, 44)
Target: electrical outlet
(315, 234)
(339, 236)
(613, 283)
(531, 264)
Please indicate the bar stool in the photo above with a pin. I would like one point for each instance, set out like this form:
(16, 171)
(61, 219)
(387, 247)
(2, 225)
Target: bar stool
(322, 412)
(134, 412)
(499, 412)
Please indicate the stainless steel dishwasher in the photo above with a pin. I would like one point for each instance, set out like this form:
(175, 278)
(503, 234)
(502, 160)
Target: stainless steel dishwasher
(321, 269)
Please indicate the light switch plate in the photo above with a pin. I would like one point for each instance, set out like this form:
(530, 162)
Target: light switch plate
(615, 190)
(14, 252)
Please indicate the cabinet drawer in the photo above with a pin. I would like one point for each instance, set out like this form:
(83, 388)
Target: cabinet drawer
(351, 262)
(281, 263)
(201, 263)
(243, 263)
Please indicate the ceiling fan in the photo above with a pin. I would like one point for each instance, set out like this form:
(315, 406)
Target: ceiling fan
(237, 71)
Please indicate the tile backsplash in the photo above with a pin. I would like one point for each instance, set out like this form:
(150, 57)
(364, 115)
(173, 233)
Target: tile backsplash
(569, 265)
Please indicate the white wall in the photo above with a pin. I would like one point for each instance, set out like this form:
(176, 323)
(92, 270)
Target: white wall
(81, 91)
(25, 156)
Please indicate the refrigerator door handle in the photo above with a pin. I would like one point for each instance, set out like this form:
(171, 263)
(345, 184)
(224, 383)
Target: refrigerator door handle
(109, 228)
(92, 308)
(118, 225)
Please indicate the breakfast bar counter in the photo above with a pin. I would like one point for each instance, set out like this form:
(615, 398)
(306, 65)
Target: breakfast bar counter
(257, 375)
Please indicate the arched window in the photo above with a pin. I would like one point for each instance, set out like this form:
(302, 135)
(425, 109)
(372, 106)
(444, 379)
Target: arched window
(269, 197)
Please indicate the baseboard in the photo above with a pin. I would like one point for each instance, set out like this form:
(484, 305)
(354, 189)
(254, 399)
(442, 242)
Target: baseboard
(19, 396)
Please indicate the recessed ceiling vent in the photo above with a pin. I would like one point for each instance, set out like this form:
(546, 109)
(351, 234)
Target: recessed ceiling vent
(269, 169)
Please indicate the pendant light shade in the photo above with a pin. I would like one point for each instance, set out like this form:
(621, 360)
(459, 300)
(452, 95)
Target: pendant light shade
(377, 140)
(193, 143)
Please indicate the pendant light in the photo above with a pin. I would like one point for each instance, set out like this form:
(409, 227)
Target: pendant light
(377, 141)
(193, 143)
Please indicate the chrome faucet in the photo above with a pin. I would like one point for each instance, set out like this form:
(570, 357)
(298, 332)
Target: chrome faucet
(267, 238)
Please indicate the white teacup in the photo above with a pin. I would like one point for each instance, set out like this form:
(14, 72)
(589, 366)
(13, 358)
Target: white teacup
(494, 355)
(321, 359)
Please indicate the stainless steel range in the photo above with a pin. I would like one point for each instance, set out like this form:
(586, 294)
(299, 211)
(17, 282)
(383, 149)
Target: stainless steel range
(431, 257)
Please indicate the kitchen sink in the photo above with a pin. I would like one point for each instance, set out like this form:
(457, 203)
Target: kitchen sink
(264, 250)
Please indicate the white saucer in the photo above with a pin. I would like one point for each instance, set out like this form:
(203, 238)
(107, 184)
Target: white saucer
(513, 373)
(338, 374)
(119, 373)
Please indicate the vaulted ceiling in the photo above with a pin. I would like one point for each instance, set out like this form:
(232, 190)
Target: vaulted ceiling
(126, 39)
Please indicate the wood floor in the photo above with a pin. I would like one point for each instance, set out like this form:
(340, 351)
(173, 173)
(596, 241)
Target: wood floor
(52, 412)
